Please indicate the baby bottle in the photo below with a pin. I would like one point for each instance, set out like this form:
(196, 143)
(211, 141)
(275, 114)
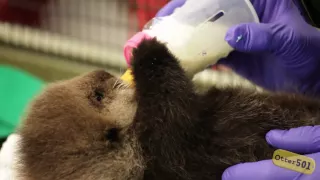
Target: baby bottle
(195, 32)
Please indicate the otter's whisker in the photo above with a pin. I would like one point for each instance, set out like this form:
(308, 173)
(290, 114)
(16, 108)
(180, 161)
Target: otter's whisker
(115, 84)
(120, 86)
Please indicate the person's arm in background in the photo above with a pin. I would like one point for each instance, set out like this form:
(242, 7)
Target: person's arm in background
(280, 54)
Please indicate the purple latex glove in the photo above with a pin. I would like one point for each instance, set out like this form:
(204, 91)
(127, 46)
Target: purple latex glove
(280, 54)
(303, 140)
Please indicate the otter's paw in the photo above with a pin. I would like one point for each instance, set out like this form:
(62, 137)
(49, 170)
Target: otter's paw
(152, 62)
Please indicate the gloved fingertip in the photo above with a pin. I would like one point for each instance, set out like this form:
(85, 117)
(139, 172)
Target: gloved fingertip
(235, 36)
(239, 37)
(301, 140)
(227, 174)
(249, 37)
(274, 137)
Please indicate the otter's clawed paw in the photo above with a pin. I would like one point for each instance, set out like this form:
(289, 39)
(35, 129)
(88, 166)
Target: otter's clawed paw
(152, 62)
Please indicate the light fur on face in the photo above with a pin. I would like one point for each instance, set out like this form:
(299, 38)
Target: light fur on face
(79, 129)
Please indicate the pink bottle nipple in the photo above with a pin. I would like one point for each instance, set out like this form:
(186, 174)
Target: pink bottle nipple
(133, 43)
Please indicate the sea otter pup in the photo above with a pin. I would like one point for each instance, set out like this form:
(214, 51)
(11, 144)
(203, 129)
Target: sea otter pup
(94, 127)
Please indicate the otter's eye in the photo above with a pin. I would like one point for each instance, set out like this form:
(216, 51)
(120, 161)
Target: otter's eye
(98, 95)
(112, 135)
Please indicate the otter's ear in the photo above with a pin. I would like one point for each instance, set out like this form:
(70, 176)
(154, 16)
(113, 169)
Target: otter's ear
(154, 67)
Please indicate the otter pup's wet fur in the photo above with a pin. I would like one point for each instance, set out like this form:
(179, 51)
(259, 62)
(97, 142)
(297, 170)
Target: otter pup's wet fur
(93, 127)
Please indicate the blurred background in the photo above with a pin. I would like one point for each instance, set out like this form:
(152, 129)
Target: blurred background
(47, 40)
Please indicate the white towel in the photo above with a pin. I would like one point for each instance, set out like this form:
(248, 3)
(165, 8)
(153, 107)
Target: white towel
(7, 158)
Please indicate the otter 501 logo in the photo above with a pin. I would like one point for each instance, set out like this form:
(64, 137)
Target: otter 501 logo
(293, 161)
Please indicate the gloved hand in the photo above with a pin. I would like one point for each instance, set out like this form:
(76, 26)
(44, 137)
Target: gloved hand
(303, 140)
(282, 53)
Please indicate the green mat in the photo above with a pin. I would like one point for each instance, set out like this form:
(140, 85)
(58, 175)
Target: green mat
(17, 88)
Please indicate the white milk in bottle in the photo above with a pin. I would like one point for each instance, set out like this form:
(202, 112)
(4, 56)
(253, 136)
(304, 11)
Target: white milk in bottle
(195, 32)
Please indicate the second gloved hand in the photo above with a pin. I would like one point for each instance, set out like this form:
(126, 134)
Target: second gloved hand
(300, 140)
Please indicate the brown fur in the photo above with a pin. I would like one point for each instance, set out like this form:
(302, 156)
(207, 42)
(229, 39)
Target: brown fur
(64, 134)
(161, 129)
